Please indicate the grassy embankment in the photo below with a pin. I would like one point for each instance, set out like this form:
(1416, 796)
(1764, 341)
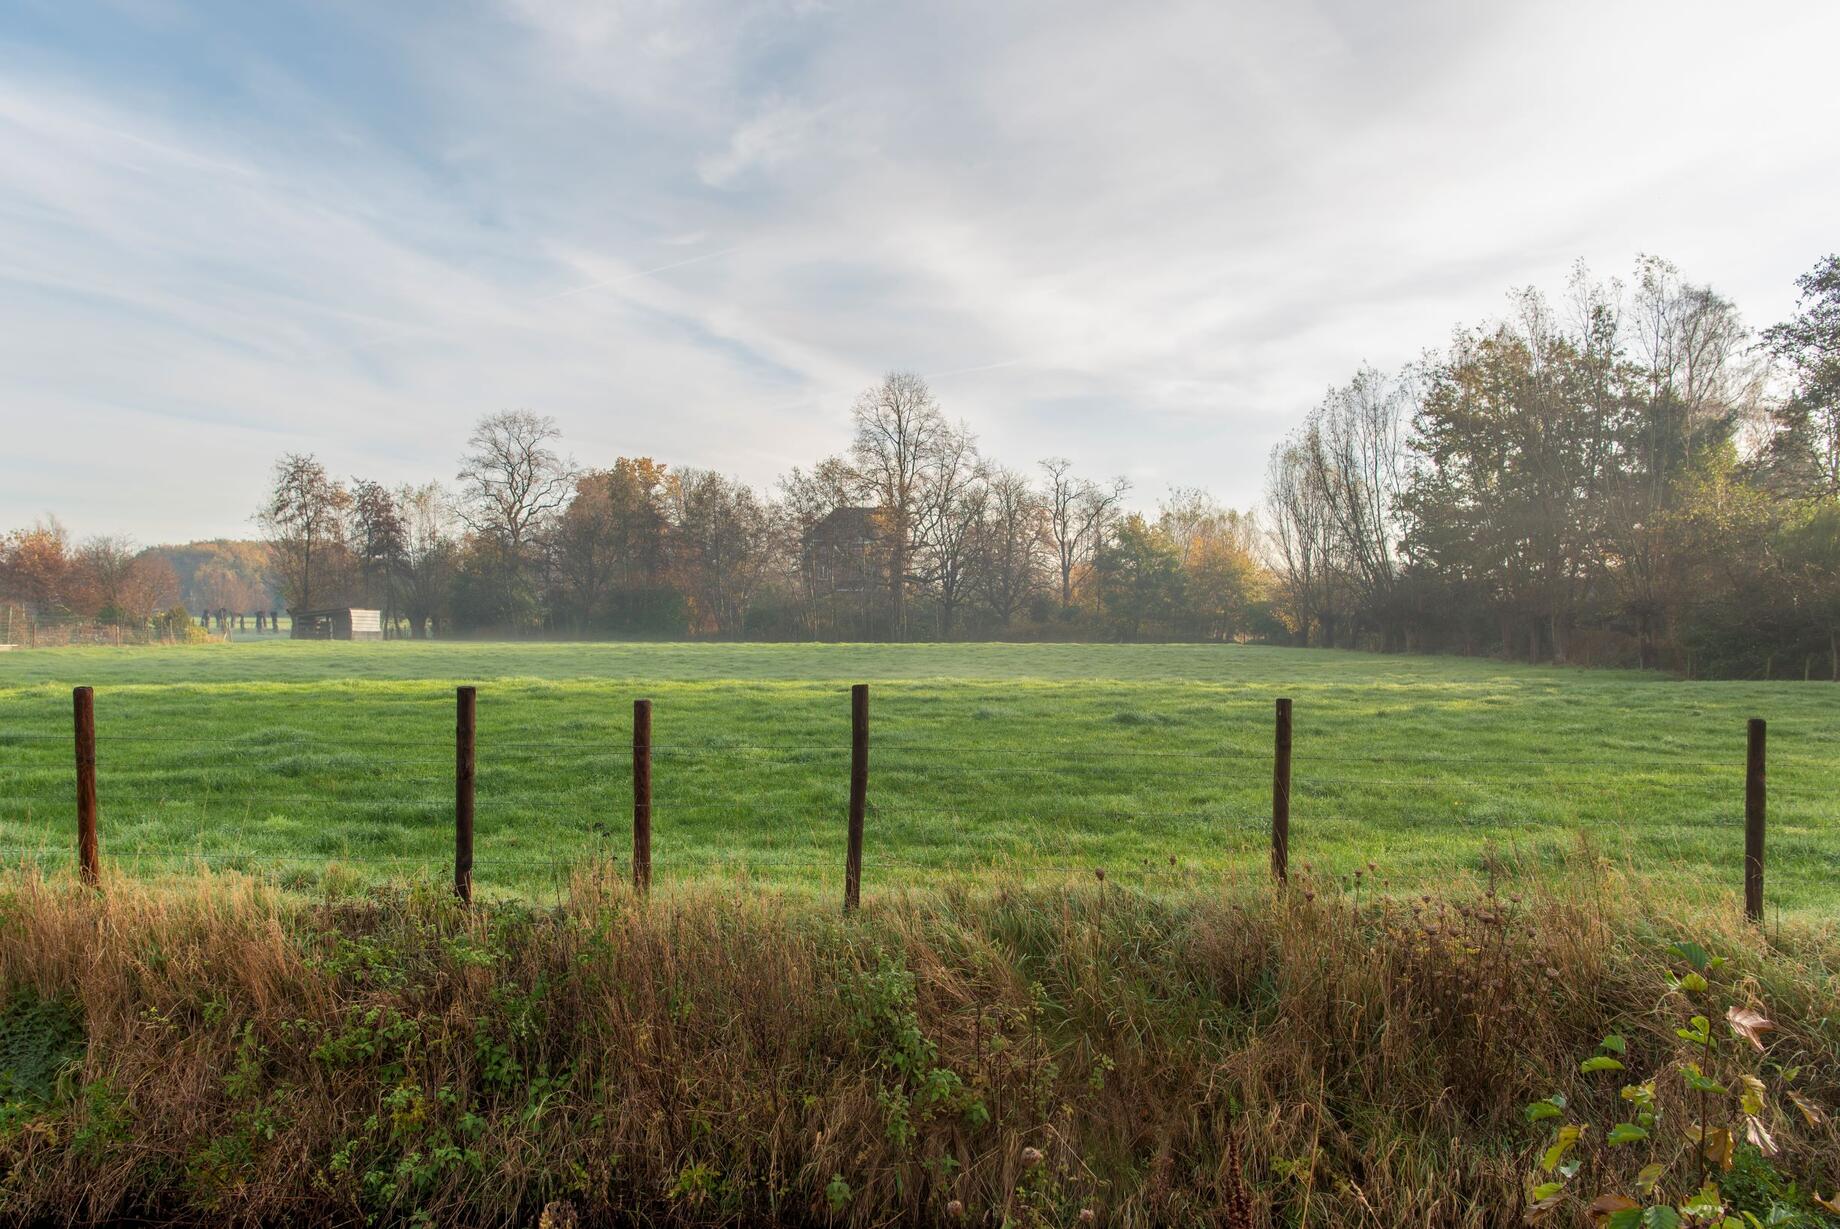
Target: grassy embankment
(217, 1052)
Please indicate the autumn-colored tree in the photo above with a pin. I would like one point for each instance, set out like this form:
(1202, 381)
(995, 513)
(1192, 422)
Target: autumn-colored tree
(35, 567)
(720, 546)
(112, 581)
(608, 545)
(304, 520)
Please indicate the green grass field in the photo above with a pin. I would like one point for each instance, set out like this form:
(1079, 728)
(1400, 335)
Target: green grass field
(332, 763)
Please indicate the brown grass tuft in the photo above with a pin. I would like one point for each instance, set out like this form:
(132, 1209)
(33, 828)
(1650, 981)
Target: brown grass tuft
(1013, 1054)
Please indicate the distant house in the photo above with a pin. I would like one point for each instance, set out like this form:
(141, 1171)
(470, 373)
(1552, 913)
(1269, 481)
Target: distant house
(337, 623)
(843, 552)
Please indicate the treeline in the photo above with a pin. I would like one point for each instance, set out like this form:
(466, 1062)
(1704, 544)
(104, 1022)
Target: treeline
(109, 581)
(1629, 476)
(44, 575)
(912, 533)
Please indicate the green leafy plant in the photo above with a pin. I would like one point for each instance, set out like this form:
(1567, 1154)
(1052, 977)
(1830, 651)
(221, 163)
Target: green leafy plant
(1713, 1083)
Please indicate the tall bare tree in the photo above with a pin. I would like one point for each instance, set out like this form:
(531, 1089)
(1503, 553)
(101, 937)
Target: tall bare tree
(898, 429)
(512, 478)
(430, 554)
(1079, 513)
(1011, 542)
(1357, 448)
(951, 507)
(1302, 538)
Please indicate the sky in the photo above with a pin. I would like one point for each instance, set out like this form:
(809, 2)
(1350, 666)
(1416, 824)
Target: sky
(1144, 237)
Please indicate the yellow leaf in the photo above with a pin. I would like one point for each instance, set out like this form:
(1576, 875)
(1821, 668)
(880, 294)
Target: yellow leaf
(1563, 1140)
(1751, 1099)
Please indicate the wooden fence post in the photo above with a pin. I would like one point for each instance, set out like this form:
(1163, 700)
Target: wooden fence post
(1281, 796)
(466, 714)
(88, 856)
(1753, 821)
(859, 795)
(642, 795)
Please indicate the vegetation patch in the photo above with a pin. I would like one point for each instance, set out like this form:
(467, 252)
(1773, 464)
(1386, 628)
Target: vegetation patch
(1334, 1054)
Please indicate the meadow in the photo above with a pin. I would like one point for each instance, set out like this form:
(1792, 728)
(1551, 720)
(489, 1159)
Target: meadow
(327, 765)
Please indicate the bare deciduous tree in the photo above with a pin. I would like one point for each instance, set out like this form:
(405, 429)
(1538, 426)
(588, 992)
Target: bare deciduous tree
(512, 478)
(1011, 542)
(1357, 448)
(1301, 539)
(1079, 512)
(951, 506)
(898, 427)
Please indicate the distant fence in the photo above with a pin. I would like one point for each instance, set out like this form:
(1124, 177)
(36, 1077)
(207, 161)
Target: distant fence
(855, 814)
(25, 628)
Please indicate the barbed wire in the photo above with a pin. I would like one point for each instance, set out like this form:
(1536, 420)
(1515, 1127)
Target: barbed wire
(617, 745)
(1207, 788)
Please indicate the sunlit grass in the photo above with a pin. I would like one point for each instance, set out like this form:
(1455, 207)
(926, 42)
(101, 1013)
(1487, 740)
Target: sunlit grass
(1150, 761)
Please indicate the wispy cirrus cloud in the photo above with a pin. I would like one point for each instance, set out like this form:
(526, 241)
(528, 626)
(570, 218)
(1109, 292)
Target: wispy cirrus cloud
(1142, 238)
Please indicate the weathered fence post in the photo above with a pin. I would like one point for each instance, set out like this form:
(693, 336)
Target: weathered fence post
(1753, 821)
(1281, 796)
(88, 856)
(466, 717)
(642, 795)
(859, 795)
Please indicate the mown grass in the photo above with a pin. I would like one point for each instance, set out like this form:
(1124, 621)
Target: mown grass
(215, 1052)
(330, 764)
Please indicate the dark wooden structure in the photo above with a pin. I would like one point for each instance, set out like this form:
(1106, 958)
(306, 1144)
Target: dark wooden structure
(336, 623)
(843, 551)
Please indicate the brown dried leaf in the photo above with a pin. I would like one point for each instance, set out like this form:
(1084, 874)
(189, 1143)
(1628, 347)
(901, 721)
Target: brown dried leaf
(1716, 1144)
(1605, 1206)
(1540, 1207)
(1748, 1024)
(1813, 1113)
(1759, 1137)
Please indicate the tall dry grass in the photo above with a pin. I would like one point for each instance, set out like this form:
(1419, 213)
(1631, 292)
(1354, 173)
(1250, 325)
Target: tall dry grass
(1005, 1055)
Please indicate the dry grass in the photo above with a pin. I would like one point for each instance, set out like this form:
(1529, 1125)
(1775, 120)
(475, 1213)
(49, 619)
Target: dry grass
(1014, 1055)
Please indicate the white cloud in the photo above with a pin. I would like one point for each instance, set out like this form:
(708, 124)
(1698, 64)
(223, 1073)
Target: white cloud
(1142, 238)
